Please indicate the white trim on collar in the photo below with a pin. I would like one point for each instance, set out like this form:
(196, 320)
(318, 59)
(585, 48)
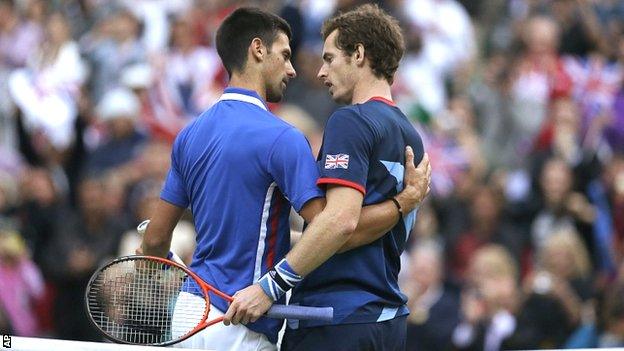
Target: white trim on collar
(242, 97)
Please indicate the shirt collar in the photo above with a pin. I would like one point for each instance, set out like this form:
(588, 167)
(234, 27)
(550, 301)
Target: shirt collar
(244, 95)
(382, 99)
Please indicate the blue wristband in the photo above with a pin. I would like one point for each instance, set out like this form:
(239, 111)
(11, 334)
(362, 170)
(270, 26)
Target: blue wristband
(279, 279)
(287, 274)
(270, 287)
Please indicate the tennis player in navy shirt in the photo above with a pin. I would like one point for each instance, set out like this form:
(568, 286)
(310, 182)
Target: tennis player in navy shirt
(363, 150)
(239, 169)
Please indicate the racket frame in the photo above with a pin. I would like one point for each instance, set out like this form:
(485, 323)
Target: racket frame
(206, 288)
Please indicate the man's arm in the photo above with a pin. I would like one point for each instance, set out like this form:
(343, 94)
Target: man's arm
(327, 232)
(378, 219)
(157, 238)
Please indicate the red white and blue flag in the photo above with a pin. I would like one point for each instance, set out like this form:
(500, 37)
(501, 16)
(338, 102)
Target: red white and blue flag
(337, 161)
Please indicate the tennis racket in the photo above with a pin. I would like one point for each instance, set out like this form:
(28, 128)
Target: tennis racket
(147, 300)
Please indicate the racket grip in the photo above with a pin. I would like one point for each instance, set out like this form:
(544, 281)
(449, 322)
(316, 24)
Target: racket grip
(325, 314)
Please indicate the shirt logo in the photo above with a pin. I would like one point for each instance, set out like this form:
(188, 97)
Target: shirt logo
(337, 161)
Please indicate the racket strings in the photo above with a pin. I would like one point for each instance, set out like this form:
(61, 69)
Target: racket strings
(142, 301)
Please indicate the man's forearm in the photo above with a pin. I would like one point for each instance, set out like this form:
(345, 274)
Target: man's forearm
(159, 249)
(322, 239)
(328, 231)
(375, 221)
(157, 238)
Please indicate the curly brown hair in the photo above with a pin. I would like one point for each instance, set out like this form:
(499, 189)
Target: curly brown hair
(377, 31)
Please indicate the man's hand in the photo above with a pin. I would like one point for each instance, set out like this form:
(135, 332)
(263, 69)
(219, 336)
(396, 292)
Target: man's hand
(249, 304)
(416, 181)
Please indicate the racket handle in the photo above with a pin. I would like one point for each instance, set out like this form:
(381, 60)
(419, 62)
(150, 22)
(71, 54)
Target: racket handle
(325, 314)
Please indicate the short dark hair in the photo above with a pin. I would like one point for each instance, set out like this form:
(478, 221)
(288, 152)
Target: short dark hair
(377, 31)
(240, 28)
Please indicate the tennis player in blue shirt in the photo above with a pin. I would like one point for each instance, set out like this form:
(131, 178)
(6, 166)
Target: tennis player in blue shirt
(239, 168)
(362, 156)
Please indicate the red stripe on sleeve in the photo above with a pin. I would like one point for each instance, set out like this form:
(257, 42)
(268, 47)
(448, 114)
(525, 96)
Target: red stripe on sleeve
(338, 181)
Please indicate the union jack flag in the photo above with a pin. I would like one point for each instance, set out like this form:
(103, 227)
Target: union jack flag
(337, 161)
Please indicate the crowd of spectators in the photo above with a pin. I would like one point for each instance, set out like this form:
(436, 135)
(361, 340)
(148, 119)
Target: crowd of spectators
(520, 104)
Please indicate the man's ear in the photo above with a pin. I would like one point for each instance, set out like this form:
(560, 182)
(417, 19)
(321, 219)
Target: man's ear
(358, 54)
(257, 49)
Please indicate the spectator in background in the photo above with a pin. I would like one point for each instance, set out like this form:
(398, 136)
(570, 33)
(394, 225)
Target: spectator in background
(580, 29)
(562, 207)
(307, 91)
(153, 117)
(561, 137)
(434, 308)
(155, 19)
(566, 260)
(458, 165)
(22, 285)
(19, 39)
(118, 110)
(595, 83)
(613, 205)
(297, 117)
(143, 198)
(83, 240)
(487, 226)
(40, 206)
(47, 91)
(613, 335)
(557, 294)
(186, 80)
(447, 47)
(613, 313)
(614, 130)
(537, 75)
(489, 301)
(145, 169)
(455, 147)
(9, 195)
(113, 45)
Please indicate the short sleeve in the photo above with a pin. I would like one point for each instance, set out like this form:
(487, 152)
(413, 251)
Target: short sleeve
(293, 168)
(174, 190)
(346, 151)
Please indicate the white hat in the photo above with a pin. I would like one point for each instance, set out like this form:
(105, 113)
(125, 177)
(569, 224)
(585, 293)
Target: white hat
(137, 76)
(119, 102)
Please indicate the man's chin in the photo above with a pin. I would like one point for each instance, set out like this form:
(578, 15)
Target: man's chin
(275, 98)
(338, 99)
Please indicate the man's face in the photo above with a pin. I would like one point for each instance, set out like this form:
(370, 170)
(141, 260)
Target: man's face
(338, 71)
(279, 69)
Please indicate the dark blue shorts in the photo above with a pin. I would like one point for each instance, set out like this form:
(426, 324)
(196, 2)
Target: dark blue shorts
(388, 335)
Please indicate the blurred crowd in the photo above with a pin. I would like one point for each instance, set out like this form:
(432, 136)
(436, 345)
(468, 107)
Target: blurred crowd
(520, 104)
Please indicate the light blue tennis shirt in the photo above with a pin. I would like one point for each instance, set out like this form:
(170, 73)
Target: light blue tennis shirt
(239, 168)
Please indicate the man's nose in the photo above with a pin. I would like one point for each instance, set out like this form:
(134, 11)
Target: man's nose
(290, 70)
(321, 73)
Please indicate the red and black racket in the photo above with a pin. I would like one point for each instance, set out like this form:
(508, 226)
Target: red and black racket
(132, 300)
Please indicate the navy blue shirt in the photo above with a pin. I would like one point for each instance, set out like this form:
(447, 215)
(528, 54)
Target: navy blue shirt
(238, 166)
(363, 148)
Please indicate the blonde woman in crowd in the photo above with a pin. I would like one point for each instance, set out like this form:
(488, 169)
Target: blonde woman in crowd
(489, 300)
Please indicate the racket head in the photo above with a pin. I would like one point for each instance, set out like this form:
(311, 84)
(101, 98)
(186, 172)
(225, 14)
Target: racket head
(132, 299)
